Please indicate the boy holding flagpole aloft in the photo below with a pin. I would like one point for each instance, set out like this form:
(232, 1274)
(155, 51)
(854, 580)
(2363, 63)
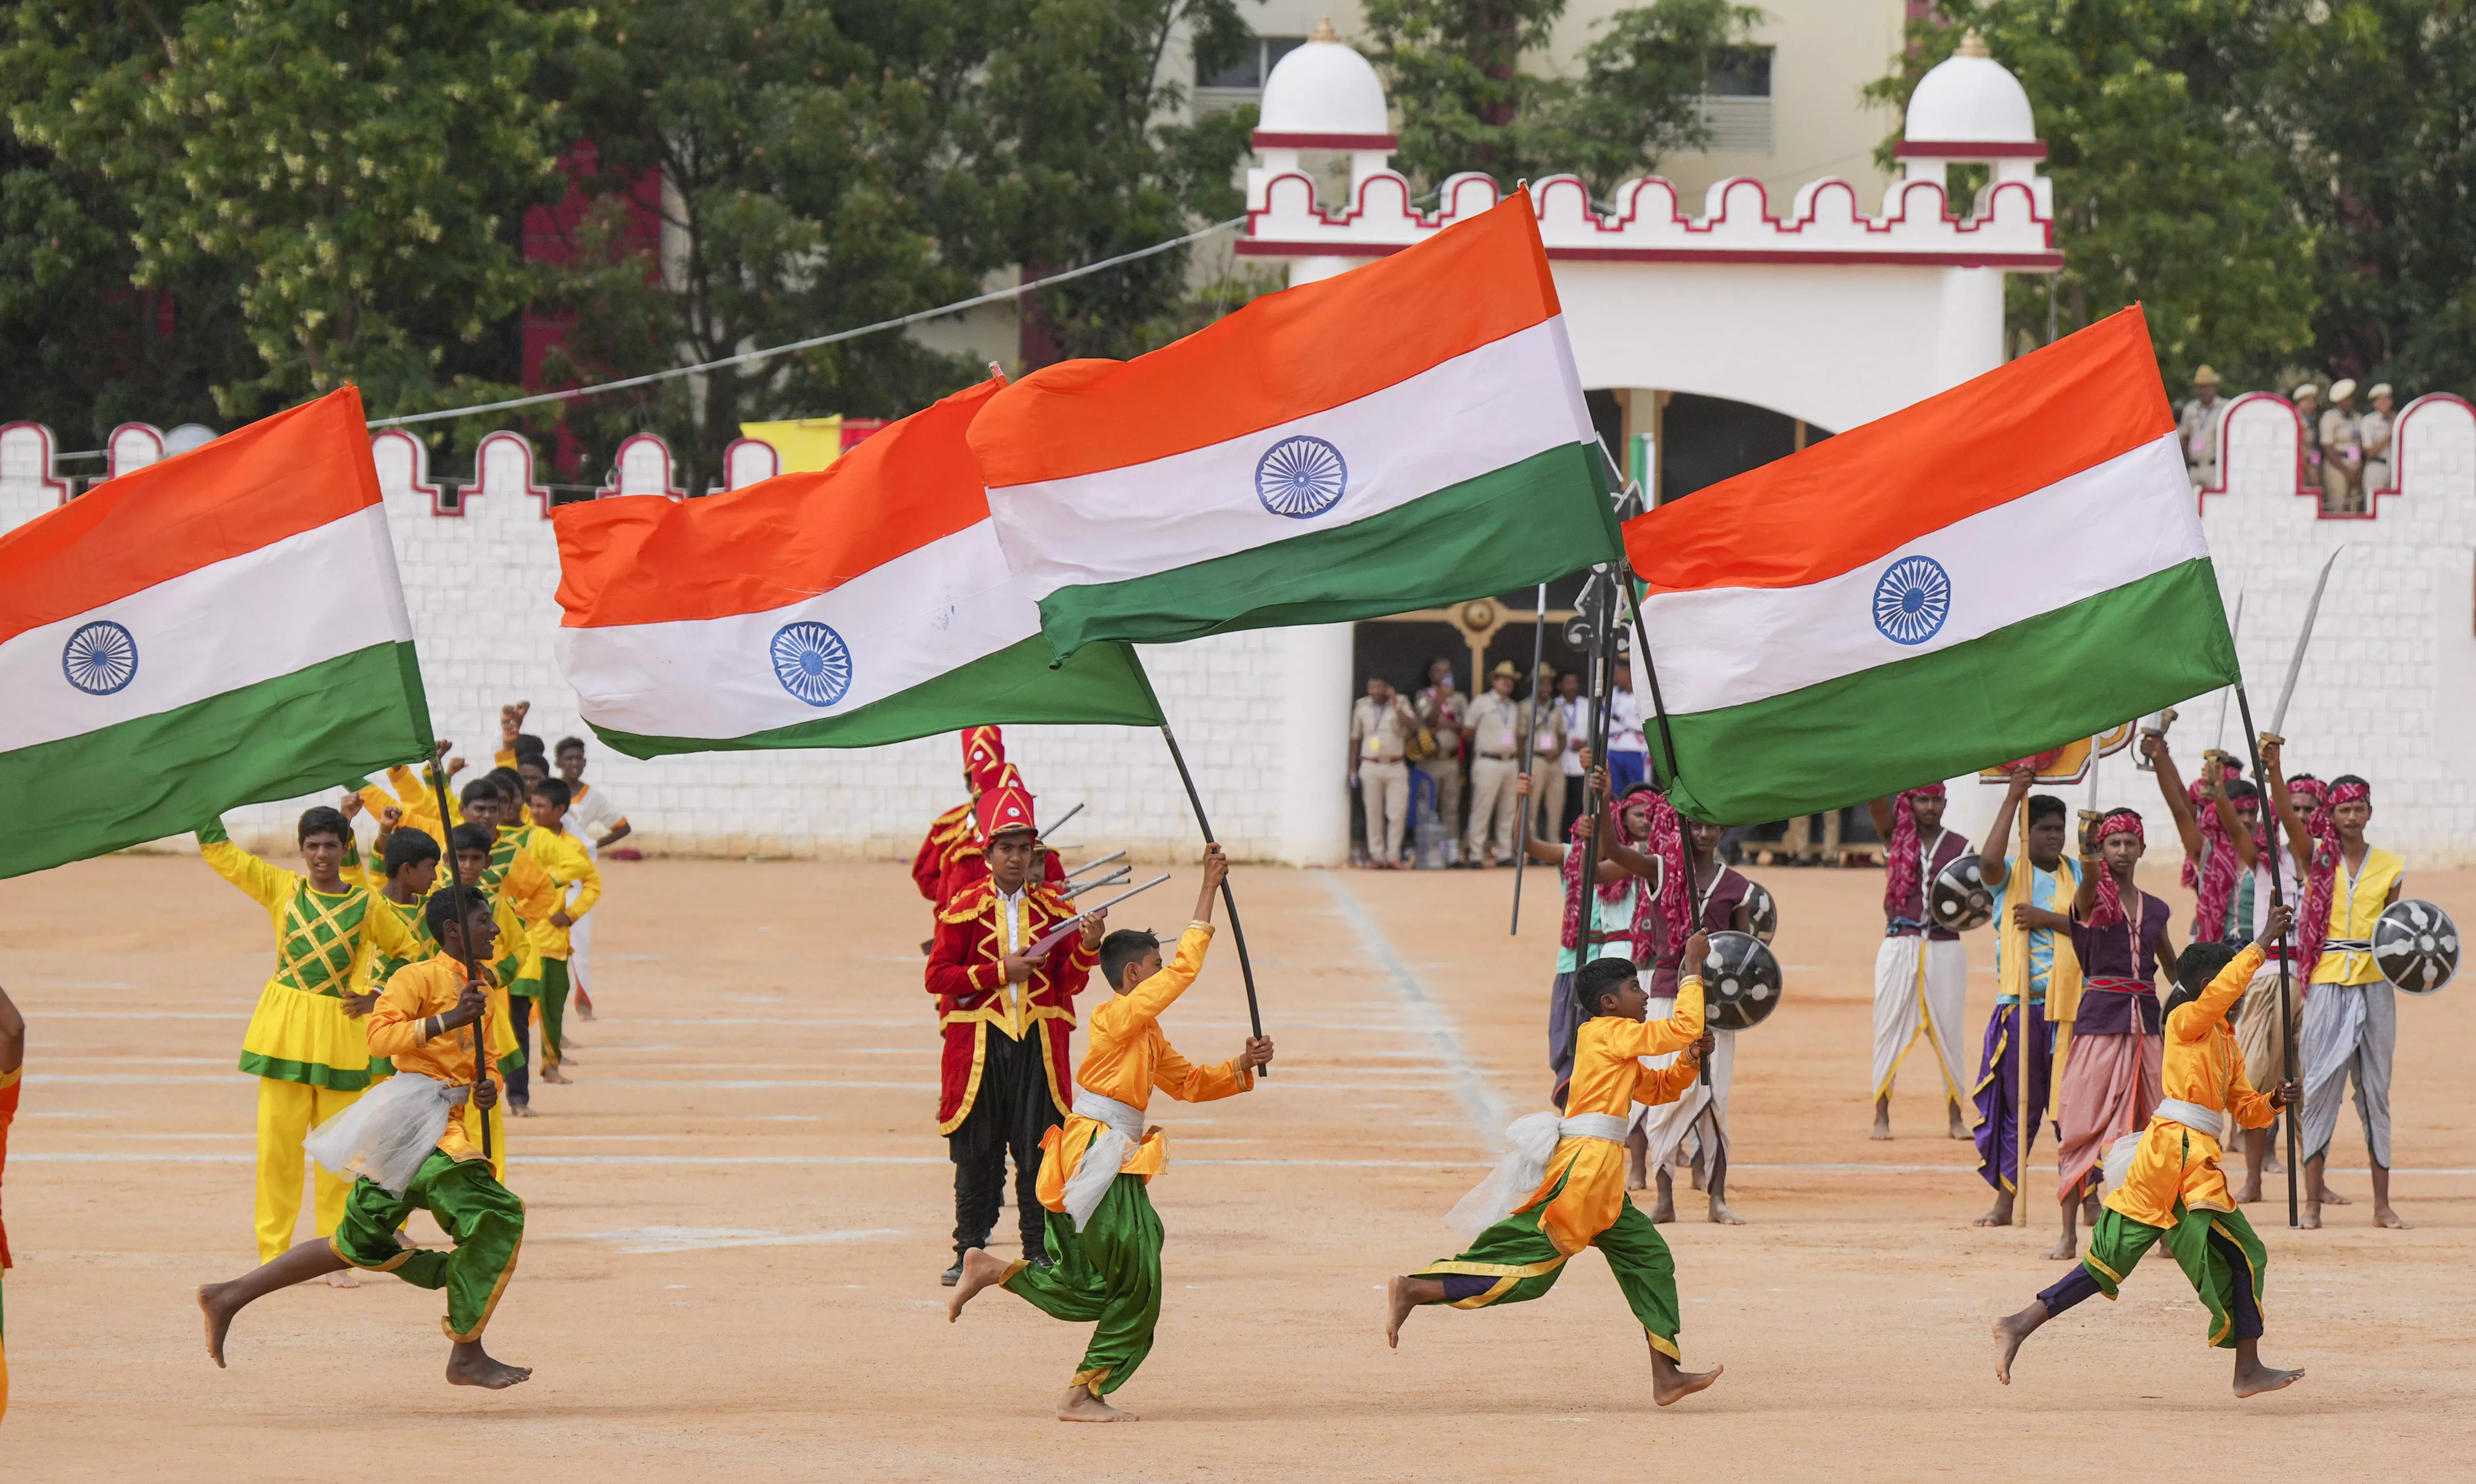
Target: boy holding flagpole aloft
(2165, 1180)
(1563, 1186)
(1921, 971)
(408, 1151)
(2111, 1080)
(2037, 977)
(1104, 1239)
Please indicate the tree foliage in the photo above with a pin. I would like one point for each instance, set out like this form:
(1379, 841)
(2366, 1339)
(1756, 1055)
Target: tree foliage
(1477, 91)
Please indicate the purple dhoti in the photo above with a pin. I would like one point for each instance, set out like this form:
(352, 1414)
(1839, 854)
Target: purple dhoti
(1998, 1094)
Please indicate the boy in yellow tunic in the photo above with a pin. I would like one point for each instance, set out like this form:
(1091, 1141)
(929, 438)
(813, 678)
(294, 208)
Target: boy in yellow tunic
(2173, 1188)
(1579, 1200)
(1104, 1237)
(565, 860)
(303, 1044)
(416, 794)
(421, 1023)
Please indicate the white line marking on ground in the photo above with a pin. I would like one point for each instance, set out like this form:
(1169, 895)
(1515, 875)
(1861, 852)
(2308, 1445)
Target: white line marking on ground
(1486, 1112)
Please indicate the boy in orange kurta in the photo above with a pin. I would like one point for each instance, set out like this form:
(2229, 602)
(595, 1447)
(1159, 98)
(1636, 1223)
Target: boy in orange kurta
(1579, 1200)
(1104, 1237)
(2172, 1187)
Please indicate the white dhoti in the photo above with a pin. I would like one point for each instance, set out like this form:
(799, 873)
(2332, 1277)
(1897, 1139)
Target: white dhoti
(1921, 988)
(2349, 1030)
(1695, 1128)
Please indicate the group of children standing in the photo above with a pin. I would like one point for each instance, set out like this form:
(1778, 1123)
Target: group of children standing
(385, 965)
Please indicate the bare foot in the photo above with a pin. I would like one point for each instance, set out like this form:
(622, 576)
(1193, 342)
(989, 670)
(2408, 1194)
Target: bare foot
(520, 1110)
(2251, 1380)
(1669, 1385)
(2000, 1215)
(342, 1278)
(1959, 1128)
(2068, 1249)
(1663, 1209)
(1723, 1215)
(979, 1271)
(2009, 1331)
(469, 1365)
(2250, 1194)
(1635, 1176)
(2384, 1216)
(2330, 1197)
(2308, 1219)
(1398, 1306)
(219, 1317)
(1882, 1127)
(1081, 1405)
(554, 1075)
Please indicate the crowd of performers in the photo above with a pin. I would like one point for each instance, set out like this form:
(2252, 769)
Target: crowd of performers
(388, 968)
(384, 964)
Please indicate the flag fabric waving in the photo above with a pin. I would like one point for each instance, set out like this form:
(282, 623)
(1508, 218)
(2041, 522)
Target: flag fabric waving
(861, 603)
(223, 627)
(1997, 570)
(1408, 434)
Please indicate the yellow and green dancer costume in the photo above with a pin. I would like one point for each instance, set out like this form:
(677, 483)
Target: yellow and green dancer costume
(1103, 1236)
(1581, 1200)
(2174, 1191)
(310, 1058)
(564, 859)
(454, 1185)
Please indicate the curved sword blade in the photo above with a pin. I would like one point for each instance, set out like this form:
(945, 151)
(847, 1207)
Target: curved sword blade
(2303, 642)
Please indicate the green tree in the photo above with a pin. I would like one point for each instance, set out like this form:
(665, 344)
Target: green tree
(2170, 191)
(2377, 99)
(1471, 79)
(356, 171)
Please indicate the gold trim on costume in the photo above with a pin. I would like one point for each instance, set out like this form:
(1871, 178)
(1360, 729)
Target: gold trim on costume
(2112, 1276)
(971, 1088)
(389, 1266)
(1013, 1267)
(448, 1326)
(1495, 1270)
(1666, 1347)
(1092, 1378)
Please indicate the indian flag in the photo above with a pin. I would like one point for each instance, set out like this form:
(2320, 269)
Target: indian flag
(1990, 572)
(220, 629)
(861, 603)
(1408, 434)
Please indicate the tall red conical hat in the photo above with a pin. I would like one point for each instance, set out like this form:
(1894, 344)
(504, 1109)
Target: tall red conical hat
(1004, 806)
(984, 756)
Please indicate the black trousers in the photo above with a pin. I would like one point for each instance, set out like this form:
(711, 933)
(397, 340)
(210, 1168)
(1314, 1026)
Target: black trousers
(1011, 1111)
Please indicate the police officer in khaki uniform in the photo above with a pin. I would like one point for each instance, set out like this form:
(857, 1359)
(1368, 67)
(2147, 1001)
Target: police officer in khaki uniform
(1444, 713)
(1495, 762)
(1381, 724)
(2198, 428)
(1547, 739)
(2343, 452)
(2374, 431)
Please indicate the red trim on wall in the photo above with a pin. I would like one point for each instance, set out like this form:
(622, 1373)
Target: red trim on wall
(50, 479)
(2018, 262)
(1353, 142)
(1968, 149)
(2308, 486)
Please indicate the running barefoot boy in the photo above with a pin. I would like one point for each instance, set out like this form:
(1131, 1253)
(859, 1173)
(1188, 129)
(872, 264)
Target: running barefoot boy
(2174, 1188)
(420, 1022)
(1104, 1239)
(1578, 1198)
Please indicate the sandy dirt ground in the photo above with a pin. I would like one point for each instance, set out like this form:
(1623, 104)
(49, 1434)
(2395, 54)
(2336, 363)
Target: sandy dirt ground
(738, 1215)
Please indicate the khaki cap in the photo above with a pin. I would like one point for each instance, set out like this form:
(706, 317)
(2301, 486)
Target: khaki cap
(2205, 377)
(1507, 670)
(2381, 389)
(2342, 388)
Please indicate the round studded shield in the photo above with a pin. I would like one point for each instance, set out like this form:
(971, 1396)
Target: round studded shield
(1741, 981)
(1959, 899)
(2415, 945)
(1762, 911)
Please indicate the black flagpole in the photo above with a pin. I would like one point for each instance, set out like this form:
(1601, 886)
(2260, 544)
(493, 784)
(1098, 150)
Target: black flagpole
(1229, 900)
(2277, 836)
(463, 930)
(1586, 879)
(1530, 749)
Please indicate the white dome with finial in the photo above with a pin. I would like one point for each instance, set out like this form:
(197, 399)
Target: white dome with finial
(1968, 98)
(1323, 90)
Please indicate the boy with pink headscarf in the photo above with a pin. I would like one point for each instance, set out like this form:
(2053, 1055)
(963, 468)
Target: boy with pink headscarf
(1920, 972)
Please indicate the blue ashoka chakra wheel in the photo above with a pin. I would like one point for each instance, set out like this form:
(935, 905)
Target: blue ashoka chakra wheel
(1300, 478)
(100, 658)
(813, 663)
(1913, 599)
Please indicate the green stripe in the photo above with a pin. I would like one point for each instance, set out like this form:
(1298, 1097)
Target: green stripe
(1017, 683)
(2069, 672)
(308, 1074)
(161, 775)
(1527, 523)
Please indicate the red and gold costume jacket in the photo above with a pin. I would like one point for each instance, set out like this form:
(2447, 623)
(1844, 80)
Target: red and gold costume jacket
(968, 865)
(948, 833)
(967, 973)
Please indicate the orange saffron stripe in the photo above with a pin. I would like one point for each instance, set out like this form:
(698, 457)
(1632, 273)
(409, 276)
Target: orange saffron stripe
(649, 560)
(1284, 357)
(1860, 496)
(303, 468)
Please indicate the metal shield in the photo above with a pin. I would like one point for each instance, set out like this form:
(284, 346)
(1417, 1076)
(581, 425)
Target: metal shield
(1762, 911)
(2415, 945)
(1741, 981)
(1959, 899)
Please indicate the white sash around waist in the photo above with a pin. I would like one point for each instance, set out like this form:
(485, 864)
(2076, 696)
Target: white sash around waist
(1532, 1139)
(1122, 1128)
(2191, 1115)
